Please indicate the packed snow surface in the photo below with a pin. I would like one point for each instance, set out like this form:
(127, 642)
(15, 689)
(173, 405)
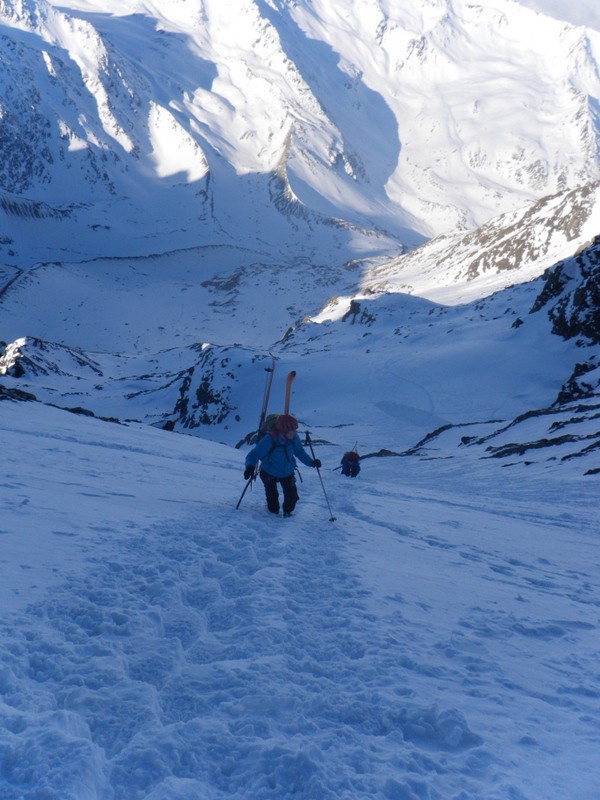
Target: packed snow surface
(438, 640)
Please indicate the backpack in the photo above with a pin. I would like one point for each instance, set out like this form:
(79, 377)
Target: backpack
(350, 464)
(267, 430)
(269, 422)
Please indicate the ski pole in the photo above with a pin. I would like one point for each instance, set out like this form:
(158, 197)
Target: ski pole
(309, 443)
(269, 380)
(244, 492)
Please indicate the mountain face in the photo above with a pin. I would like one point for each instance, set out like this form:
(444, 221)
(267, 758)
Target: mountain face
(186, 191)
(129, 130)
(566, 428)
(512, 248)
(511, 374)
(572, 292)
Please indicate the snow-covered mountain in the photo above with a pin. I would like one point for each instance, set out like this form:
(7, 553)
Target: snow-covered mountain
(130, 130)
(502, 344)
(513, 248)
(437, 639)
(277, 264)
(192, 191)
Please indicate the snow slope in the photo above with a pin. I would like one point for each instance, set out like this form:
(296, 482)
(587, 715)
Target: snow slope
(584, 12)
(439, 639)
(511, 249)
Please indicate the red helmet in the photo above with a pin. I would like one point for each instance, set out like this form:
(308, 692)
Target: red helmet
(286, 423)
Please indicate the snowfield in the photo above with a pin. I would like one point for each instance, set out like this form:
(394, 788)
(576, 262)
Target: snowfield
(584, 12)
(438, 640)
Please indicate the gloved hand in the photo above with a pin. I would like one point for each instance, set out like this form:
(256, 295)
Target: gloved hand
(248, 472)
(315, 463)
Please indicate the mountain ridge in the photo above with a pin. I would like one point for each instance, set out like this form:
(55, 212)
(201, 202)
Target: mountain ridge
(522, 360)
(123, 124)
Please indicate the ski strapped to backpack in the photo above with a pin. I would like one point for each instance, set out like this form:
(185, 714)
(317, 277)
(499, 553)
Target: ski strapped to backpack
(263, 413)
(271, 419)
(266, 422)
(288, 388)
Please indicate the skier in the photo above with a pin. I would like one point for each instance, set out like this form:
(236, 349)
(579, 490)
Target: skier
(350, 464)
(276, 453)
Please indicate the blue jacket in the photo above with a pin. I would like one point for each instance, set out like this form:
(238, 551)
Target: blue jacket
(277, 455)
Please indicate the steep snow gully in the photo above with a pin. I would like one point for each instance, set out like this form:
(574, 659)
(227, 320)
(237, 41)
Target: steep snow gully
(439, 640)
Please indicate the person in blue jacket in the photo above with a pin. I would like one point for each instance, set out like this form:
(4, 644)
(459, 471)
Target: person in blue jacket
(276, 452)
(350, 464)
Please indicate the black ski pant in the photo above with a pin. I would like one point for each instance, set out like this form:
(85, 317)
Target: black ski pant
(290, 493)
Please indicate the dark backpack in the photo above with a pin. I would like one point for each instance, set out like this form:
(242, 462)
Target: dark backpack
(267, 430)
(350, 464)
(270, 420)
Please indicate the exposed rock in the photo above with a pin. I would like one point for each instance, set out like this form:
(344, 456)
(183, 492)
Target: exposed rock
(575, 286)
